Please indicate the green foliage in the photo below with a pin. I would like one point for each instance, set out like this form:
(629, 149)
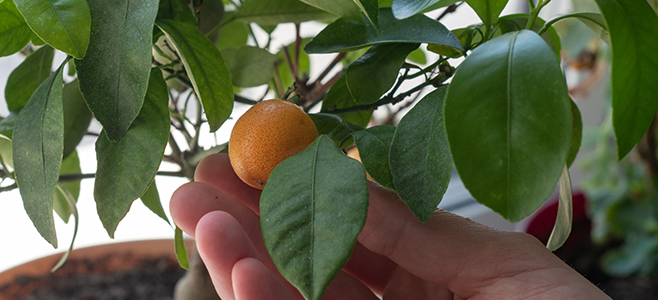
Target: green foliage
(312, 209)
(27, 77)
(143, 68)
(126, 168)
(633, 28)
(63, 24)
(420, 156)
(509, 127)
(14, 32)
(205, 68)
(38, 142)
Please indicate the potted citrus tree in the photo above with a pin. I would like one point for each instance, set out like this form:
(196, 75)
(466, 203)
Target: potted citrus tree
(491, 102)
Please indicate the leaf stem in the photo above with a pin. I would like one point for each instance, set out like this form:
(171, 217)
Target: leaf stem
(535, 12)
(554, 20)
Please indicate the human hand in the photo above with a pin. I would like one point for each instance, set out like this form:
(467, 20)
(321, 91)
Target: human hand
(396, 256)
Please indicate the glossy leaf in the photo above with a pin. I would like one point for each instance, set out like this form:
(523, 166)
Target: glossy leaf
(179, 249)
(177, 10)
(233, 34)
(342, 8)
(374, 144)
(64, 24)
(517, 22)
(77, 116)
(375, 72)
(206, 69)
(419, 157)
(14, 32)
(67, 192)
(633, 28)
(267, 12)
(334, 126)
(403, 9)
(27, 77)
(7, 124)
(151, 199)
(487, 10)
(508, 120)
(114, 74)
(38, 142)
(596, 23)
(249, 66)
(6, 153)
(70, 200)
(350, 9)
(339, 97)
(211, 14)
(576, 133)
(564, 219)
(126, 168)
(312, 210)
(346, 35)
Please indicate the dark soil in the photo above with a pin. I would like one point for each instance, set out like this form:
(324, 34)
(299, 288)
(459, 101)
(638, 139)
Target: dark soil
(143, 279)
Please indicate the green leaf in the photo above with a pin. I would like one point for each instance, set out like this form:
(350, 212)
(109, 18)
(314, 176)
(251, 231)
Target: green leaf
(151, 199)
(233, 34)
(304, 64)
(417, 56)
(596, 23)
(419, 157)
(14, 32)
(487, 10)
(517, 22)
(249, 66)
(403, 9)
(68, 191)
(126, 168)
(564, 219)
(211, 14)
(179, 249)
(508, 120)
(70, 200)
(633, 29)
(267, 12)
(374, 144)
(337, 128)
(6, 153)
(350, 9)
(64, 24)
(27, 77)
(77, 116)
(114, 74)
(313, 207)
(342, 8)
(346, 35)
(576, 133)
(375, 72)
(177, 10)
(38, 142)
(206, 68)
(7, 125)
(339, 97)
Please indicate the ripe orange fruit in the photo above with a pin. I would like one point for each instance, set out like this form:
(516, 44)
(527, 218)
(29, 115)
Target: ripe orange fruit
(269, 132)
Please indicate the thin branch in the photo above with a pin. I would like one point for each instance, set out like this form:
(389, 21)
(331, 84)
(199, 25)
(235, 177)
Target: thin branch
(298, 44)
(9, 187)
(450, 9)
(331, 66)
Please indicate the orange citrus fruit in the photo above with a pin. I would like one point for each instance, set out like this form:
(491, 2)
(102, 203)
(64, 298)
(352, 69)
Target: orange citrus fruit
(265, 135)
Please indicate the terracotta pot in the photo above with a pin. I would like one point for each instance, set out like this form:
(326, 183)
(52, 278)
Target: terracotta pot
(92, 262)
